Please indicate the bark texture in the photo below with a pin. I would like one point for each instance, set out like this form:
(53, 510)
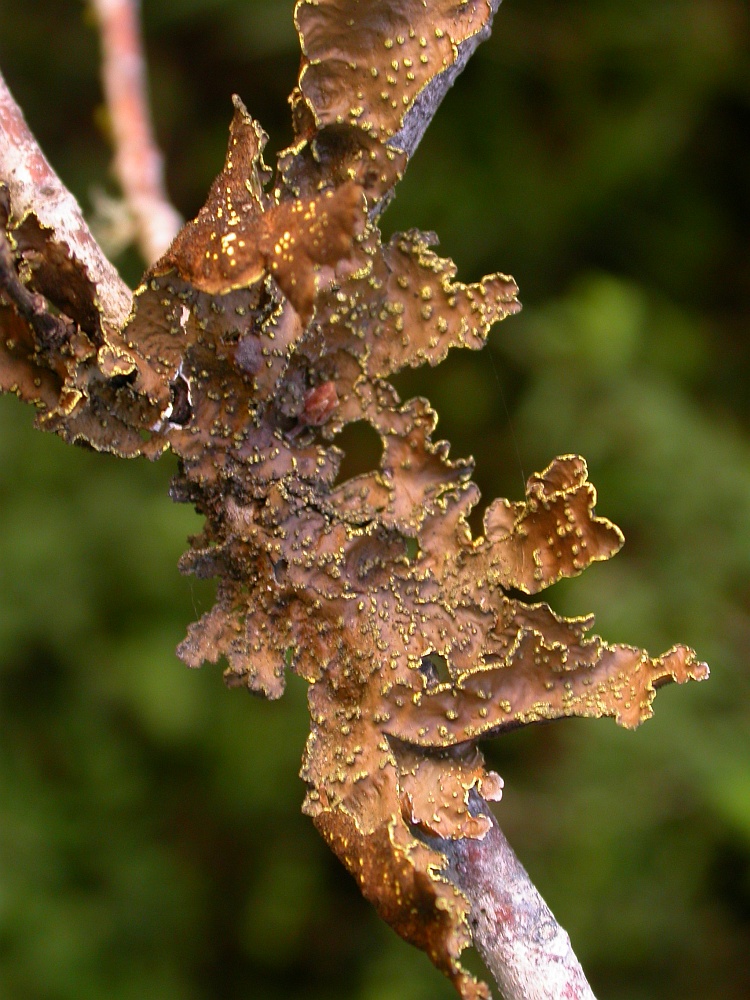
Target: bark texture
(523, 946)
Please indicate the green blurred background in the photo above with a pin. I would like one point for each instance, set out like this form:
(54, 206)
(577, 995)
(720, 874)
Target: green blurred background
(151, 842)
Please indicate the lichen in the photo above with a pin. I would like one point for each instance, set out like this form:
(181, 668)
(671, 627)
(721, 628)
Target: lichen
(273, 321)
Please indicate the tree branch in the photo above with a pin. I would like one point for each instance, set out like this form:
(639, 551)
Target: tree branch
(526, 950)
(138, 163)
(36, 189)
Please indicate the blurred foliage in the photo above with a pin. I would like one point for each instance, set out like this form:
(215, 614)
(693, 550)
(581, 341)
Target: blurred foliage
(150, 835)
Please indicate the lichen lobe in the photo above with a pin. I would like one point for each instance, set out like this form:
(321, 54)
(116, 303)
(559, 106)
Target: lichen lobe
(370, 77)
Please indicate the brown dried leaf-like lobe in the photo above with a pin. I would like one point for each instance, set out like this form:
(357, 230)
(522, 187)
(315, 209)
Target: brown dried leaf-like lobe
(304, 236)
(416, 310)
(400, 877)
(253, 642)
(435, 790)
(539, 682)
(21, 370)
(241, 233)
(218, 250)
(52, 271)
(370, 76)
(552, 534)
(336, 154)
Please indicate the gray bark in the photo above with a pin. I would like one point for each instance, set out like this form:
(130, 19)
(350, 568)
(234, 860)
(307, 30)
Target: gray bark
(523, 946)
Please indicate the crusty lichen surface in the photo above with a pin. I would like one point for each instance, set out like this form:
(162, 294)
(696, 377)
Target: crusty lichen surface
(274, 320)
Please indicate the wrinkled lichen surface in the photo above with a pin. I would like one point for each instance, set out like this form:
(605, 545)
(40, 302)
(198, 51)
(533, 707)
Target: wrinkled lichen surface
(274, 320)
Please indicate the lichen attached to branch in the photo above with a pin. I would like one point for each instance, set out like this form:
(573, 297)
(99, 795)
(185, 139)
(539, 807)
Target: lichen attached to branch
(273, 321)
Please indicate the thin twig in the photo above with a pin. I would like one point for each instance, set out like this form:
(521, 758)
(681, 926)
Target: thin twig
(526, 950)
(35, 188)
(138, 163)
